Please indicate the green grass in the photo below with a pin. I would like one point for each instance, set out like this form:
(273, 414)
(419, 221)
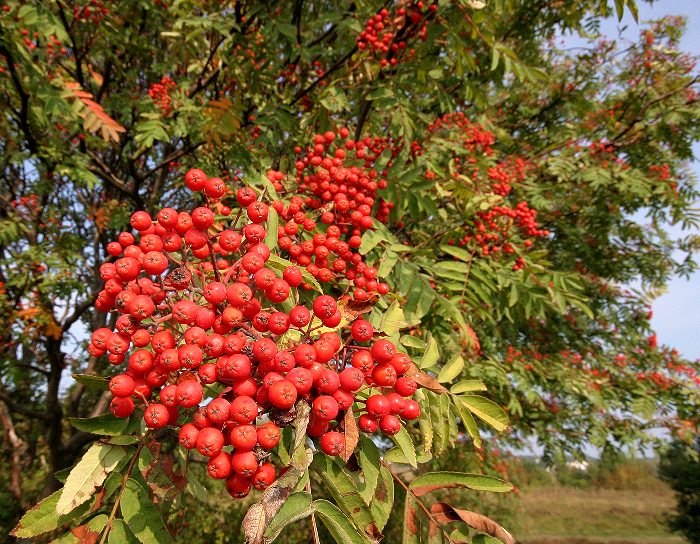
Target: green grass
(564, 515)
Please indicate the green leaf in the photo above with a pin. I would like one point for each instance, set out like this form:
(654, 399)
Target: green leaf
(43, 518)
(92, 382)
(367, 454)
(485, 539)
(383, 499)
(338, 524)
(278, 263)
(142, 516)
(467, 386)
(468, 422)
(344, 492)
(272, 224)
(88, 474)
(392, 320)
(412, 342)
(431, 355)
(296, 507)
(451, 369)
(403, 440)
(106, 424)
(485, 409)
(370, 239)
(387, 263)
(123, 440)
(121, 534)
(430, 481)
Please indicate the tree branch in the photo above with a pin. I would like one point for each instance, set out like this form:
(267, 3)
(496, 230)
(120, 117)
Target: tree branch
(17, 409)
(24, 100)
(303, 92)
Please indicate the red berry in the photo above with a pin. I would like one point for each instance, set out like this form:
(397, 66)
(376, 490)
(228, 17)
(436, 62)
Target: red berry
(219, 466)
(218, 410)
(405, 386)
(325, 407)
(362, 330)
(243, 410)
(324, 306)
(189, 393)
(210, 441)
(351, 379)
(195, 179)
(378, 406)
(244, 437)
(188, 436)
(282, 394)
(244, 463)
(411, 410)
(383, 351)
(264, 476)
(367, 423)
(121, 406)
(390, 424)
(268, 435)
(156, 416)
(122, 385)
(292, 275)
(332, 443)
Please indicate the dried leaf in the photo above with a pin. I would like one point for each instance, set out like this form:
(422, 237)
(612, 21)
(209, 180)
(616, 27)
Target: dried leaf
(424, 380)
(94, 116)
(260, 514)
(254, 523)
(351, 433)
(444, 513)
(410, 522)
(354, 308)
(85, 535)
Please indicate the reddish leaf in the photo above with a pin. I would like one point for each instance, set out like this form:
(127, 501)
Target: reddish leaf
(444, 513)
(353, 308)
(351, 433)
(85, 535)
(95, 117)
(411, 528)
(473, 339)
(424, 380)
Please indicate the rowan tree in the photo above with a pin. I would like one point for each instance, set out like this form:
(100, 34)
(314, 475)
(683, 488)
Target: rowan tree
(204, 202)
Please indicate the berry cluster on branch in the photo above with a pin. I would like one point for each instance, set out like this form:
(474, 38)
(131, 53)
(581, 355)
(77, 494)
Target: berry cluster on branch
(206, 308)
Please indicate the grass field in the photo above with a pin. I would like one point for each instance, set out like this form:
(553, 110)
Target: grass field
(565, 515)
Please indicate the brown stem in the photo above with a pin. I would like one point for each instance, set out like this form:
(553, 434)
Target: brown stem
(125, 480)
(418, 501)
(314, 528)
(18, 446)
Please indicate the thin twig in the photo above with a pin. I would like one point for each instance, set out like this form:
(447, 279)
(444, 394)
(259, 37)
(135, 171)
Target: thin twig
(418, 501)
(125, 480)
(314, 528)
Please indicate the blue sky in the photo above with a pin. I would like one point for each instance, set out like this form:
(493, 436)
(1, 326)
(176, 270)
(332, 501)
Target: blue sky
(676, 316)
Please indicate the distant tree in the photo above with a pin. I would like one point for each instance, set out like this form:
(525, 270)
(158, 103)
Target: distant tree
(680, 467)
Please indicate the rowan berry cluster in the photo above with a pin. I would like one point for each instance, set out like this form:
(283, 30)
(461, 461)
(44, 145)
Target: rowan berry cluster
(206, 309)
(160, 94)
(93, 12)
(337, 186)
(385, 34)
(491, 232)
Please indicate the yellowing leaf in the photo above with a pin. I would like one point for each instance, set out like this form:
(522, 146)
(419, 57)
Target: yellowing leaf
(88, 474)
(95, 118)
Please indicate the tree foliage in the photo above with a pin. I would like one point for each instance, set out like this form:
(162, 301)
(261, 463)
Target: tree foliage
(528, 188)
